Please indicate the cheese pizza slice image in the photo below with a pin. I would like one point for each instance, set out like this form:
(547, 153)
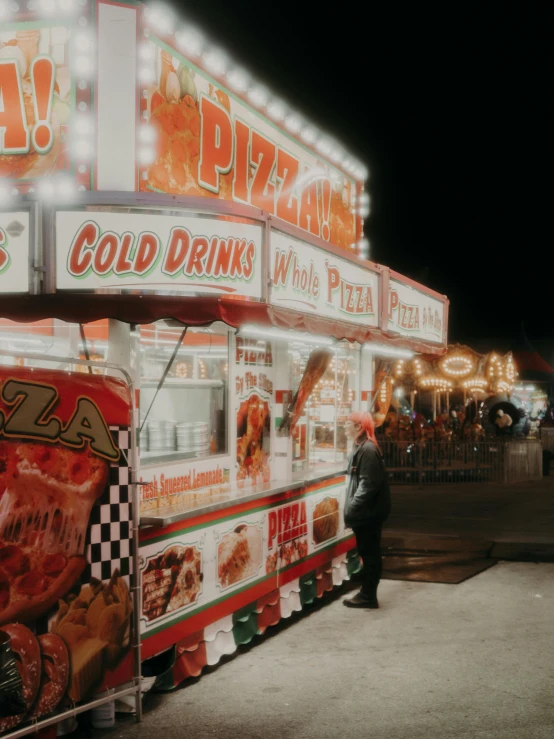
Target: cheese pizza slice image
(46, 497)
(239, 555)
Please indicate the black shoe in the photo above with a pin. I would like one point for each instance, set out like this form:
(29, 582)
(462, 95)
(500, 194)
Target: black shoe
(361, 601)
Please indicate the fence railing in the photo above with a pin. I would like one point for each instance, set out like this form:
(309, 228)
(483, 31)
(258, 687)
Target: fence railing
(432, 462)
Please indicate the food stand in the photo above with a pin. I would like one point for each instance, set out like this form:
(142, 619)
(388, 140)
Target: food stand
(168, 216)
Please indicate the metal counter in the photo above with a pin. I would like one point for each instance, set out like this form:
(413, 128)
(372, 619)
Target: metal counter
(173, 514)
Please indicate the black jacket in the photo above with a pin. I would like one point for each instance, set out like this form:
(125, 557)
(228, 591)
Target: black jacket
(367, 491)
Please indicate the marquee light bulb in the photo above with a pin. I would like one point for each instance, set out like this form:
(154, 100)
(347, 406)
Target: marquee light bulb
(324, 147)
(146, 52)
(83, 41)
(146, 156)
(147, 134)
(308, 134)
(238, 79)
(364, 204)
(5, 194)
(215, 63)
(66, 188)
(191, 41)
(277, 110)
(147, 75)
(293, 123)
(258, 96)
(83, 149)
(46, 189)
(161, 18)
(363, 248)
(83, 65)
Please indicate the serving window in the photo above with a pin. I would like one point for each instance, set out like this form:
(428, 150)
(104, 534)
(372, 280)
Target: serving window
(319, 437)
(184, 391)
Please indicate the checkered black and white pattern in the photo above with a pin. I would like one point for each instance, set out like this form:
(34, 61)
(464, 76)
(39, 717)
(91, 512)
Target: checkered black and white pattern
(110, 535)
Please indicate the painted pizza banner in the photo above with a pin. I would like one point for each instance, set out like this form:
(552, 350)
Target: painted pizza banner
(192, 571)
(207, 142)
(14, 252)
(415, 313)
(65, 535)
(40, 95)
(306, 278)
(177, 254)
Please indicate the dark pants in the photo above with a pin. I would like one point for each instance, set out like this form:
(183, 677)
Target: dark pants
(368, 543)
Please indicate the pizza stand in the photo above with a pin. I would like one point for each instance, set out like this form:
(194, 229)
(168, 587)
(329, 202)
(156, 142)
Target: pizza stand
(163, 213)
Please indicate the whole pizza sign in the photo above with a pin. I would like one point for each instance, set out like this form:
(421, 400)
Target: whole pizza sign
(64, 603)
(312, 280)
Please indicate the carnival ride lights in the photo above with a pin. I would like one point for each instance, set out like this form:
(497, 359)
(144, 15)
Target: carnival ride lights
(435, 383)
(475, 383)
(457, 365)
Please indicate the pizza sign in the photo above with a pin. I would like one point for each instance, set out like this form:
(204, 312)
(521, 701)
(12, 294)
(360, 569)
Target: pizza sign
(307, 278)
(415, 313)
(30, 417)
(16, 136)
(208, 143)
(66, 611)
(286, 523)
(37, 97)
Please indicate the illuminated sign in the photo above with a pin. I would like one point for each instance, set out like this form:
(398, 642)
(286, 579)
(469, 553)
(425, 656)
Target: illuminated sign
(312, 280)
(97, 250)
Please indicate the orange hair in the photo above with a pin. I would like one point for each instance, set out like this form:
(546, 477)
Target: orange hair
(365, 420)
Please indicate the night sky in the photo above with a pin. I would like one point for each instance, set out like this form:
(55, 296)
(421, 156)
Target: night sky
(449, 113)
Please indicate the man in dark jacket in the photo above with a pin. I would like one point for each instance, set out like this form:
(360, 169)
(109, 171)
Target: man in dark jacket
(367, 504)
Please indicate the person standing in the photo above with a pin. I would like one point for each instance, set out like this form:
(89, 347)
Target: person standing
(367, 504)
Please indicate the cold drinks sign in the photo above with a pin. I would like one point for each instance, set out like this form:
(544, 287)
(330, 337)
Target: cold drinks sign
(184, 254)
